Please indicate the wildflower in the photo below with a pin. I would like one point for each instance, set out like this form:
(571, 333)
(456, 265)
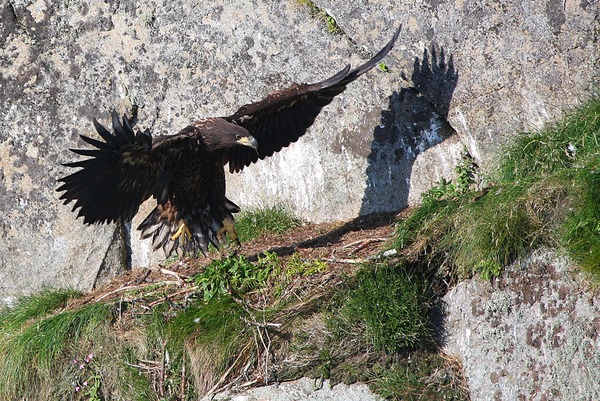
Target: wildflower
(77, 388)
(85, 383)
(81, 366)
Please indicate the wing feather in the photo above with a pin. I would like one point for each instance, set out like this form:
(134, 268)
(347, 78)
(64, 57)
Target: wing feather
(119, 175)
(283, 116)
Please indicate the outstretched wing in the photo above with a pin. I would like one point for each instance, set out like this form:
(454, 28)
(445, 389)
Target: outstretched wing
(120, 174)
(284, 116)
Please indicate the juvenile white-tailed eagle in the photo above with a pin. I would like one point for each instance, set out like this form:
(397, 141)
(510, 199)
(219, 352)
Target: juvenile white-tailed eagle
(185, 172)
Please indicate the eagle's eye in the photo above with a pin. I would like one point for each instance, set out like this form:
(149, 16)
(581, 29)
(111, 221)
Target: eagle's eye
(238, 137)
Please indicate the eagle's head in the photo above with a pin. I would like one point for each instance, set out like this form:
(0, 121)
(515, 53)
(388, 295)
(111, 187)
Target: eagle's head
(219, 134)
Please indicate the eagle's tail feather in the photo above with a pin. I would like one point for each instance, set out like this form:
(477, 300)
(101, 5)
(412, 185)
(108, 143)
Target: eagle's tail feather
(169, 228)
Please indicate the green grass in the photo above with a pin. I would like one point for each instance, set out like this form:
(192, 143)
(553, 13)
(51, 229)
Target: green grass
(34, 306)
(320, 14)
(572, 143)
(31, 352)
(426, 376)
(390, 304)
(545, 192)
(254, 223)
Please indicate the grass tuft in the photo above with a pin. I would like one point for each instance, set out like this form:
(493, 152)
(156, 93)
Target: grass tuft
(392, 306)
(212, 335)
(28, 354)
(570, 144)
(254, 223)
(33, 306)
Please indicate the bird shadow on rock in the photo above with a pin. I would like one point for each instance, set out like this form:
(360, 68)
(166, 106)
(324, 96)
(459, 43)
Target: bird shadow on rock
(415, 121)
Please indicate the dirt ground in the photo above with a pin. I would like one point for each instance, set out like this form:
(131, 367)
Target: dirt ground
(342, 245)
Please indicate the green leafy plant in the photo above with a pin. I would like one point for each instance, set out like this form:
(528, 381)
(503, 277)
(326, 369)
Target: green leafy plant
(296, 265)
(383, 67)
(235, 274)
(463, 183)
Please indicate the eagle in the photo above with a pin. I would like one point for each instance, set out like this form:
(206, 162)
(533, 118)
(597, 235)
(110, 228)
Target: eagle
(185, 172)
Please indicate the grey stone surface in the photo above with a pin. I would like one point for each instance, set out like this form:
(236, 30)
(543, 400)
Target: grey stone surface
(303, 389)
(463, 74)
(531, 335)
(520, 64)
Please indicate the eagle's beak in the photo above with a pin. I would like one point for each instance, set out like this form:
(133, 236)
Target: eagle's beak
(248, 141)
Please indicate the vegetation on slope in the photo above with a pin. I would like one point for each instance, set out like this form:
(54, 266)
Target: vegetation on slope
(250, 320)
(545, 192)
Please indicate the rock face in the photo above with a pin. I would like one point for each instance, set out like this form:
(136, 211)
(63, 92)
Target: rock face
(303, 389)
(463, 74)
(531, 335)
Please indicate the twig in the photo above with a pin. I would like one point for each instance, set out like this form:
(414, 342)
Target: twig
(365, 243)
(171, 273)
(163, 364)
(267, 348)
(160, 301)
(129, 287)
(250, 383)
(265, 324)
(182, 388)
(386, 254)
(348, 261)
(216, 388)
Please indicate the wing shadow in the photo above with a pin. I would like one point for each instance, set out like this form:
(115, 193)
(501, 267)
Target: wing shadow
(415, 121)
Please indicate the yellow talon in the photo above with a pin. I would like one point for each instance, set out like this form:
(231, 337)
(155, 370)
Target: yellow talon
(228, 228)
(183, 229)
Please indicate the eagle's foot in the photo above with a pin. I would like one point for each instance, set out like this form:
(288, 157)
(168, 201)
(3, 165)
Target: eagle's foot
(183, 230)
(228, 229)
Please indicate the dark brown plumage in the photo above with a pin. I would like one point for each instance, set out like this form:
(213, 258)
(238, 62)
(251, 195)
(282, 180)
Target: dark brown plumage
(185, 172)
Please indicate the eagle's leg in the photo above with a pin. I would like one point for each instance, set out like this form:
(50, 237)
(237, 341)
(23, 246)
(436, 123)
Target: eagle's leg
(228, 229)
(183, 230)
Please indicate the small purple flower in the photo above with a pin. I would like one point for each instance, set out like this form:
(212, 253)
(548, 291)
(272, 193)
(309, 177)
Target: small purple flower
(81, 366)
(85, 384)
(77, 388)
(75, 361)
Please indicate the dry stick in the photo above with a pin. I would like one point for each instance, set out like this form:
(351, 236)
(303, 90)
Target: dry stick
(264, 324)
(182, 388)
(367, 242)
(171, 273)
(215, 388)
(162, 368)
(133, 287)
(130, 287)
(348, 261)
(160, 301)
(266, 353)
